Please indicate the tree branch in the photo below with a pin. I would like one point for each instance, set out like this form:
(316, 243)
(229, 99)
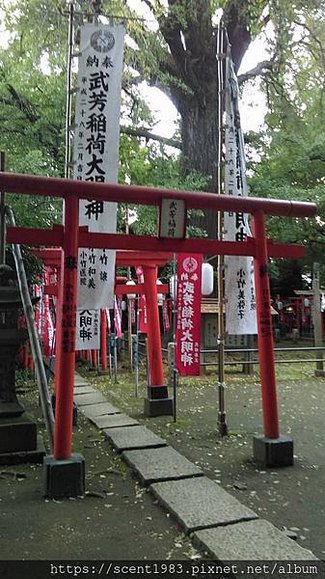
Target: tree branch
(151, 136)
(22, 104)
(237, 21)
(261, 69)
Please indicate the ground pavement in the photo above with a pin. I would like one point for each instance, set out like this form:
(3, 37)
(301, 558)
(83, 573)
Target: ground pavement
(197, 507)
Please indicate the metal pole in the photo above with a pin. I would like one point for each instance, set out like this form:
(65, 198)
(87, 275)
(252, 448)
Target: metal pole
(265, 333)
(115, 359)
(65, 351)
(175, 383)
(136, 376)
(130, 303)
(45, 397)
(175, 371)
(317, 319)
(103, 340)
(2, 215)
(222, 424)
(110, 363)
(68, 104)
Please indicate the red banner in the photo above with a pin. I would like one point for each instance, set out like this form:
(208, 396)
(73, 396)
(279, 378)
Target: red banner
(166, 315)
(47, 330)
(188, 321)
(143, 327)
(117, 316)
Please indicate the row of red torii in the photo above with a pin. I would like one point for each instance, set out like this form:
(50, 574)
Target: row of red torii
(150, 261)
(70, 237)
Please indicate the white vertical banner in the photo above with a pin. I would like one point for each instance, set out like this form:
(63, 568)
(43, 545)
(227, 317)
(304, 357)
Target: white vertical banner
(88, 330)
(239, 274)
(96, 157)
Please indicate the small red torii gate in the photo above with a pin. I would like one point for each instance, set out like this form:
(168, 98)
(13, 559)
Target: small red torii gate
(150, 262)
(272, 448)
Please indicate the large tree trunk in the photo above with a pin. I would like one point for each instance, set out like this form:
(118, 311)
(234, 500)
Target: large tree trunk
(192, 64)
(200, 134)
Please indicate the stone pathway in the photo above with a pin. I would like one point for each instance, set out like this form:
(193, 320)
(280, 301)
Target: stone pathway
(216, 521)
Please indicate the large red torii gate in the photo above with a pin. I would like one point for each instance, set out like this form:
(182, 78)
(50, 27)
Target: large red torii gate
(272, 448)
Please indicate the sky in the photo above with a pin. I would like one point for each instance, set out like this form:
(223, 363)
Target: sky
(252, 105)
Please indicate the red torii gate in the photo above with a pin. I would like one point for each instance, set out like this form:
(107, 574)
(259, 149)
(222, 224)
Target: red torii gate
(150, 262)
(272, 448)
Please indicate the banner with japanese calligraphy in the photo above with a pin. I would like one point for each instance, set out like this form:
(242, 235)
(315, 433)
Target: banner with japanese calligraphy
(88, 330)
(118, 316)
(50, 278)
(43, 319)
(166, 315)
(143, 324)
(239, 274)
(96, 155)
(188, 314)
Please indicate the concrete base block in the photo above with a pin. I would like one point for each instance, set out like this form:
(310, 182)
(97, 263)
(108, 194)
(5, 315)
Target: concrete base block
(11, 409)
(271, 452)
(64, 478)
(158, 403)
(158, 407)
(17, 434)
(25, 456)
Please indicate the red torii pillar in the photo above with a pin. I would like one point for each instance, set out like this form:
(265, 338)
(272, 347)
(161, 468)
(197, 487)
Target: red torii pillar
(271, 449)
(158, 402)
(65, 472)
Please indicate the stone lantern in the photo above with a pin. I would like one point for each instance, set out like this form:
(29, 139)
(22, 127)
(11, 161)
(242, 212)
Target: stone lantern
(11, 338)
(18, 434)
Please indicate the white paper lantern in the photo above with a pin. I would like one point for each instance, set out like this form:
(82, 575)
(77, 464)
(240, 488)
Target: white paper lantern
(173, 286)
(207, 279)
(160, 297)
(131, 296)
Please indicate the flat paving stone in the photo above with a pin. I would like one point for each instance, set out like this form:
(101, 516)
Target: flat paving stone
(200, 503)
(160, 464)
(93, 410)
(84, 389)
(250, 541)
(133, 438)
(80, 381)
(84, 399)
(113, 421)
